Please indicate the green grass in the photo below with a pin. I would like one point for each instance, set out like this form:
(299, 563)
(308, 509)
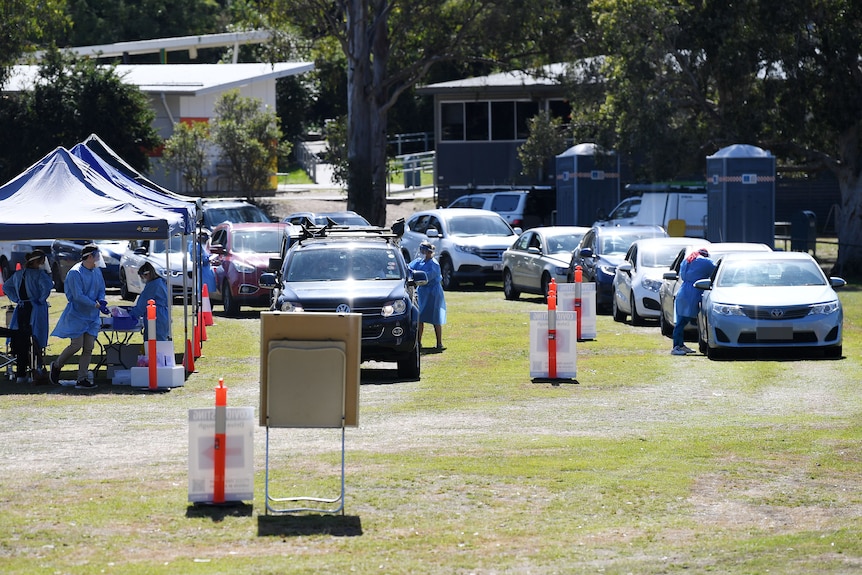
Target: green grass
(294, 175)
(650, 463)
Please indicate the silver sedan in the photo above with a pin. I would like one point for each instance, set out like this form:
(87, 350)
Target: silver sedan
(538, 255)
(770, 300)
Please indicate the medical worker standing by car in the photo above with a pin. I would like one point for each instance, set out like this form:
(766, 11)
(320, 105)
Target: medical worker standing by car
(156, 289)
(30, 289)
(85, 292)
(432, 303)
(696, 266)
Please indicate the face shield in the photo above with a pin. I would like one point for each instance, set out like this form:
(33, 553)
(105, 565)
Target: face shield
(45, 266)
(100, 263)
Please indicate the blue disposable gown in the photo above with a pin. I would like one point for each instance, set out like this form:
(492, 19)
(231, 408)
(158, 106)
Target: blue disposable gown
(157, 290)
(203, 262)
(432, 304)
(84, 287)
(688, 297)
(37, 285)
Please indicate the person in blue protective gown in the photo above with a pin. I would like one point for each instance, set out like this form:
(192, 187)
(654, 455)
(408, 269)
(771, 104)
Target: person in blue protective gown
(85, 294)
(202, 261)
(30, 288)
(156, 289)
(696, 266)
(432, 304)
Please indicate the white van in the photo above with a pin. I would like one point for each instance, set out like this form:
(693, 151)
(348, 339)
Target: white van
(664, 206)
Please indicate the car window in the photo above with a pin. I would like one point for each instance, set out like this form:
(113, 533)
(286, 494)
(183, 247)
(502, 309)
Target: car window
(257, 241)
(523, 242)
(626, 210)
(659, 256)
(560, 243)
(419, 224)
(215, 215)
(478, 225)
(219, 238)
(343, 264)
(505, 202)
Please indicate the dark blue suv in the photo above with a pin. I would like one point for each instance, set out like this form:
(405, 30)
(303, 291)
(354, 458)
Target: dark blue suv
(358, 272)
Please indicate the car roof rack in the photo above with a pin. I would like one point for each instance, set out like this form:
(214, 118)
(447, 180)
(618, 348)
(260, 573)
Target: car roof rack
(334, 230)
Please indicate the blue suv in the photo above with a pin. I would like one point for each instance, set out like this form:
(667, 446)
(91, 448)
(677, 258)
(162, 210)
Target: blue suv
(360, 272)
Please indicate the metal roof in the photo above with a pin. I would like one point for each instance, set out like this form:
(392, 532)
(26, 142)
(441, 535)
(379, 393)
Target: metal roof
(180, 79)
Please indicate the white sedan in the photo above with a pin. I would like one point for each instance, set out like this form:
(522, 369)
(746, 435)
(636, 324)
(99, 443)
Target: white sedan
(538, 255)
(638, 279)
(156, 252)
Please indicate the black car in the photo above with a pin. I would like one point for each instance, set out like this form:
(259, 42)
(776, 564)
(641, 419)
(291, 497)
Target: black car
(355, 271)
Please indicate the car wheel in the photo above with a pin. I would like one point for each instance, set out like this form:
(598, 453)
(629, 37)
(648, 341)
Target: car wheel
(636, 317)
(666, 328)
(231, 306)
(448, 272)
(713, 352)
(124, 287)
(58, 281)
(409, 365)
(509, 290)
(615, 311)
(835, 352)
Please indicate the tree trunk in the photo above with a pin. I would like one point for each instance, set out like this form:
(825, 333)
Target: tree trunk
(367, 58)
(848, 225)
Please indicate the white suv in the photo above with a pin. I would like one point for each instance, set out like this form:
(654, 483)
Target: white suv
(469, 243)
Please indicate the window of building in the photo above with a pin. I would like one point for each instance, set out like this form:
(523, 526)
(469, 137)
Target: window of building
(502, 120)
(476, 120)
(525, 111)
(452, 121)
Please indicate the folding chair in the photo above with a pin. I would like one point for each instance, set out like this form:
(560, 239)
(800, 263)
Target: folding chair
(7, 358)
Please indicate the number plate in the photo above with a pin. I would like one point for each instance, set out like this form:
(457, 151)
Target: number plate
(784, 333)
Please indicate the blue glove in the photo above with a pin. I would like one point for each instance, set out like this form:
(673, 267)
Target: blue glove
(103, 307)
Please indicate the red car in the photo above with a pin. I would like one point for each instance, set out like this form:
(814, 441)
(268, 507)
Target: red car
(239, 254)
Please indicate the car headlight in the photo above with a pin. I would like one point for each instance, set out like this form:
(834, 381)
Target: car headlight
(467, 249)
(243, 267)
(824, 308)
(652, 285)
(291, 306)
(726, 309)
(558, 271)
(396, 307)
(610, 271)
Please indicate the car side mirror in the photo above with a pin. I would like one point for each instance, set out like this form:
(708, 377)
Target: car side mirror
(586, 253)
(669, 276)
(432, 233)
(418, 278)
(268, 281)
(141, 251)
(625, 267)
(534, 250)
(518, 230)
(216, 249)
(837, 282)
(703, 284)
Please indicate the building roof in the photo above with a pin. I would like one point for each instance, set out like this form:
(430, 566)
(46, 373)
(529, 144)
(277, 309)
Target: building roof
(548, 78)
(180, 79)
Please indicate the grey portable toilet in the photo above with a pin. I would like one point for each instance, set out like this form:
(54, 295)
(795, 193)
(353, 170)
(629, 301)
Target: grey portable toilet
(588, 181)
(740, 185)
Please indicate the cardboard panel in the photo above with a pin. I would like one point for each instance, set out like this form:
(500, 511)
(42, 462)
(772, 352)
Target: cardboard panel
(306, 383)
(308, 326)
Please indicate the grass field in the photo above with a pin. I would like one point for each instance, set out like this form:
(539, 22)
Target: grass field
(648, 463)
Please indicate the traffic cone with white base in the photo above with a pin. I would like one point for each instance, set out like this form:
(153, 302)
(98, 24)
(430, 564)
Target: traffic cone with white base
(206, 307)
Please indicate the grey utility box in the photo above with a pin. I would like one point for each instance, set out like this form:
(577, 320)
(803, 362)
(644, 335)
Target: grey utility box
(740, 185)
(588, 182)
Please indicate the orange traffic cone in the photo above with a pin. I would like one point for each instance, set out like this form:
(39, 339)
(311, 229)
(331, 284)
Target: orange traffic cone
(188, 358)
(18, 266)
(197, 347)
(2, 292)
(202, 326)
(206, 307)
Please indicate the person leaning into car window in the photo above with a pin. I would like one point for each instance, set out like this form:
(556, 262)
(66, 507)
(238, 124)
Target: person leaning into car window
(156, 289)
(432, 304)
(696, 266)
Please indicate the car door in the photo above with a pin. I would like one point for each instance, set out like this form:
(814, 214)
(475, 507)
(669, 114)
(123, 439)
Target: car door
(520, 260)
(588, 263)
(623, 279)
(220, 248)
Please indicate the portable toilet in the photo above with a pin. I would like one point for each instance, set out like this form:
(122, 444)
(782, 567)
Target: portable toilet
(740, 185)
(588, 183)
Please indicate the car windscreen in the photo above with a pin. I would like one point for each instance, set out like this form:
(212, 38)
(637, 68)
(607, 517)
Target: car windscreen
(620, 240)
(560, 243)
(257, 241)
(479, 225)
(234, 215)
(328, 264)
(658, 256)
(762, 273)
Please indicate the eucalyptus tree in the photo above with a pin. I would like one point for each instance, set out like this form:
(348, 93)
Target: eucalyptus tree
(391, 45)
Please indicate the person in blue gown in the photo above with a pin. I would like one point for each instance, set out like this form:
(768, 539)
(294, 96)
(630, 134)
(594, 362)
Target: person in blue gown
(156, 289)
(696, 266)
(30, 288)
(432, 304)
(85, 294)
